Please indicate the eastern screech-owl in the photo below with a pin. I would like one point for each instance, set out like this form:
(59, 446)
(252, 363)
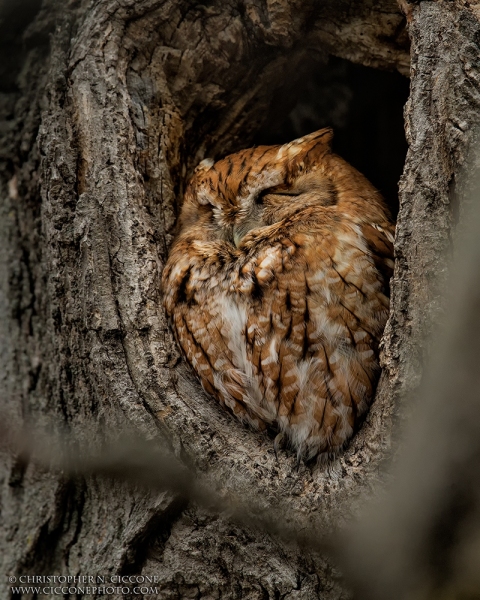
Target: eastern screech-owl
(277, 288)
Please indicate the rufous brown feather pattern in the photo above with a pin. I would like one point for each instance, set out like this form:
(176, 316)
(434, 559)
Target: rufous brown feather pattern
(277, 288)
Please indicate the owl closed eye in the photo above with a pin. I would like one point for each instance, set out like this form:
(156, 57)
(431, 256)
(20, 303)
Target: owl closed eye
(277, 289)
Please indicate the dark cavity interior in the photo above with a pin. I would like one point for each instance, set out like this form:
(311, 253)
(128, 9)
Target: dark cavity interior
(365, 108)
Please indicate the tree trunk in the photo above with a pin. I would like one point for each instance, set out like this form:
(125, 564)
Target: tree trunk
(105, 109)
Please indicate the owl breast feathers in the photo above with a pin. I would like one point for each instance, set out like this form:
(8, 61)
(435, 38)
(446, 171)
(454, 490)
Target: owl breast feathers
(277, 288)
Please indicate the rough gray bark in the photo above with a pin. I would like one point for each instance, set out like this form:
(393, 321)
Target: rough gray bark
(441, 118)
(116, 103)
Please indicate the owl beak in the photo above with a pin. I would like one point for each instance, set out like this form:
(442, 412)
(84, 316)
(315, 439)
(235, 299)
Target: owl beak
(246, 223)
(240, 231)
(237, 236)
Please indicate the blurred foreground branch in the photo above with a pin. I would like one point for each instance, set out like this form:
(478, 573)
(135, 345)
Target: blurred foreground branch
(146, 464)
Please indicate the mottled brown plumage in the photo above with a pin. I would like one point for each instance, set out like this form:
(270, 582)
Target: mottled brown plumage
(277, 288)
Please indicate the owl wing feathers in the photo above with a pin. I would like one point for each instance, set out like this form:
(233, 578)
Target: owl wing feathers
(294, 344)
(205, 347)
(380, 243)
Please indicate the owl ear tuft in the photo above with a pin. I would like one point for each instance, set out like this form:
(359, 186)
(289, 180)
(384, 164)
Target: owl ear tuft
(307, 151)
(320, 140)
(205, 165)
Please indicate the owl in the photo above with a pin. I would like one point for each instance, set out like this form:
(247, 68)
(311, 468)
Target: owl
(276, 287)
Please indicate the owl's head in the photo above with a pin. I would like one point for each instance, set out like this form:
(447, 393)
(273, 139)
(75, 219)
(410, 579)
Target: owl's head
(261, 186)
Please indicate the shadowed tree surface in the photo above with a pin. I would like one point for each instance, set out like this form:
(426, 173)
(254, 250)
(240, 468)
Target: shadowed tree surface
(105, 109)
